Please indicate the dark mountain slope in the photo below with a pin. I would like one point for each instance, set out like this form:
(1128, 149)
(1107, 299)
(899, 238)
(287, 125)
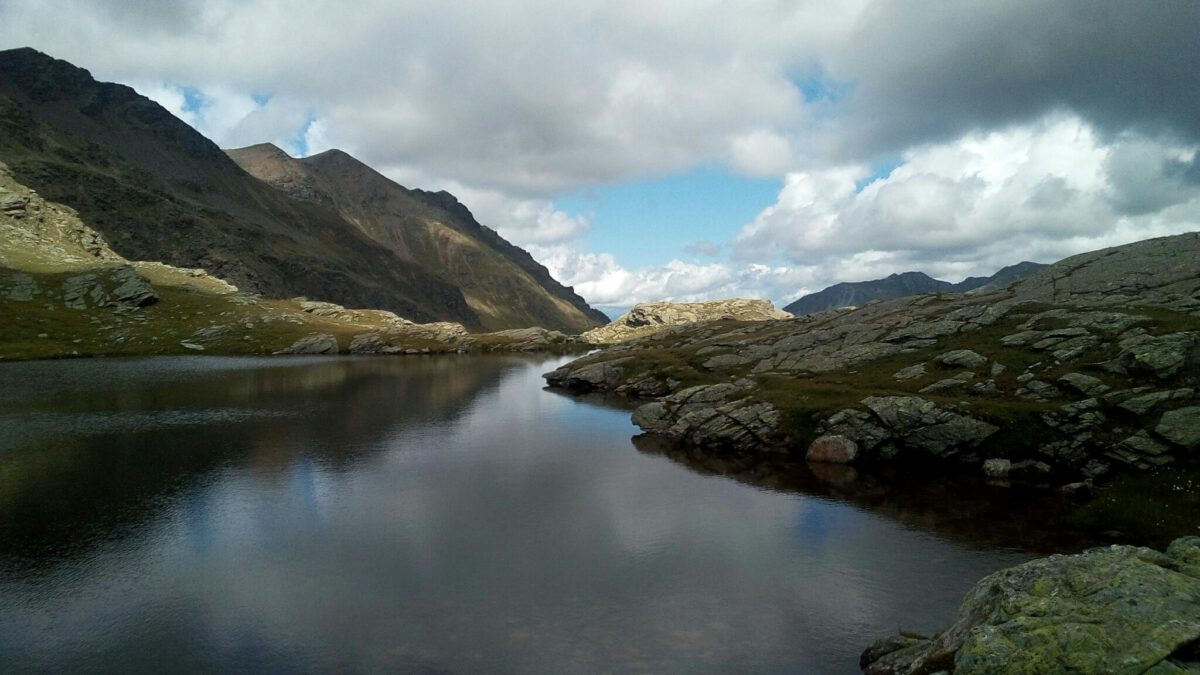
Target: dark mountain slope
(859, 293)
(158, 190)
(854, 294)
(503, 284)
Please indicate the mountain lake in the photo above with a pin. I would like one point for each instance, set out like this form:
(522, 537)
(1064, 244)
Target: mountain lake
(446, 514)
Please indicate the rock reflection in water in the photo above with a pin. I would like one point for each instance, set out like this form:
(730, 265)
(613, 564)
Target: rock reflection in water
(957, 505)
(118, 440)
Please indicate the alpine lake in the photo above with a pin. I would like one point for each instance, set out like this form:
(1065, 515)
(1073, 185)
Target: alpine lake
(449, 514)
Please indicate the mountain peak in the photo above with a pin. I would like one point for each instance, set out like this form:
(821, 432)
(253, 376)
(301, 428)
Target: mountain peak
(264, 148)
(335, 156)
(43, 77)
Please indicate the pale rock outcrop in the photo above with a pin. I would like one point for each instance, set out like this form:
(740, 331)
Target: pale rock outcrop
(651, 317)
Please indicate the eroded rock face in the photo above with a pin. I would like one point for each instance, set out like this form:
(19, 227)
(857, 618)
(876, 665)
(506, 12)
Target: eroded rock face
(651, 317)
(1120, 609)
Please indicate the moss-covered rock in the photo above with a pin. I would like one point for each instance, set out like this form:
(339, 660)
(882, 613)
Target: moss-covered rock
(1120, 609)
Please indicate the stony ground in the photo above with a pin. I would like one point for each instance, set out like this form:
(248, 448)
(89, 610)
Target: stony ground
(1090, 364)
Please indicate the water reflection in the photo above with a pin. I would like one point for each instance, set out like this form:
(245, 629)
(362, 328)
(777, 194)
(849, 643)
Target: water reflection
(87, 446)
(428, 515)
(954, 504)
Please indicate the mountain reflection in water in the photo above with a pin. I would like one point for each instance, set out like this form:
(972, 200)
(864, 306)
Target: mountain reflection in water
(440, 514)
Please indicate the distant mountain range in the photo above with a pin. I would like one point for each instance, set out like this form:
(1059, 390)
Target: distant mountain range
(327, 227)
(856, 294)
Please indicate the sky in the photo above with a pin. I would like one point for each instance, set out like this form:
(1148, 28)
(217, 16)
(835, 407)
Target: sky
(702, 149)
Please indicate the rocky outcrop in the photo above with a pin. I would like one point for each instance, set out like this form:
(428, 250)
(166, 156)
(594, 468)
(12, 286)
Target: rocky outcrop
(718, 415)
(651, 317)
(1121, 609)
(1161, 272)
(892, 425)
(317, 343)
(119, 287)
(1033, 374)
(606, 374)
(535, 339)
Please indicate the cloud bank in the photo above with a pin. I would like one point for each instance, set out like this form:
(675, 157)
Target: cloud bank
(1005, 129)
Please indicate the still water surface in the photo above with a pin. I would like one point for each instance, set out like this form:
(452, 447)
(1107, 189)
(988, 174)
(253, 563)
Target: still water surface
(441, 514)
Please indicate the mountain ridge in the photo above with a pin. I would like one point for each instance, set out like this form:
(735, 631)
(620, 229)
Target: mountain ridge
(857, 293)
(423, 228)
(158, 190)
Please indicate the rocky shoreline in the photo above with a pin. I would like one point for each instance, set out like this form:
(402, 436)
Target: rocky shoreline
(1090, 366)
(1078, 377)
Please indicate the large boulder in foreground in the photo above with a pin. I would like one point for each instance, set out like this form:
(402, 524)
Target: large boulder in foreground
(1121, 609)
(651, 317)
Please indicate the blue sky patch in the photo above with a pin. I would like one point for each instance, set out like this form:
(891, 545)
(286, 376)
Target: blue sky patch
(649, 222)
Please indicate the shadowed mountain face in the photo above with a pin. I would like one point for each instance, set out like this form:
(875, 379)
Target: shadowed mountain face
(502, 284)
(860, 293)
(158, 190)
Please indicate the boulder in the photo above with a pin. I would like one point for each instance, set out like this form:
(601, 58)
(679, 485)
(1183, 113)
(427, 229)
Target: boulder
(832, 449)
(130, 289)
(1084, 384)
(534, 338)
(1164, 355)
(957, 382)
(372, 343)
(912, 422)
(963, 358)
(316, 343)
(1121, 609)
(909, 373)
(1181, 427)
(588, 377)
(997, 468)
(18, 286)
(1140, 405)
(120, 287)
(715, 415)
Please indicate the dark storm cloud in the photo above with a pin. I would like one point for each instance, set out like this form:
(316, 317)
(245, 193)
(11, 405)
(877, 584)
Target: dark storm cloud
(932, 71)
